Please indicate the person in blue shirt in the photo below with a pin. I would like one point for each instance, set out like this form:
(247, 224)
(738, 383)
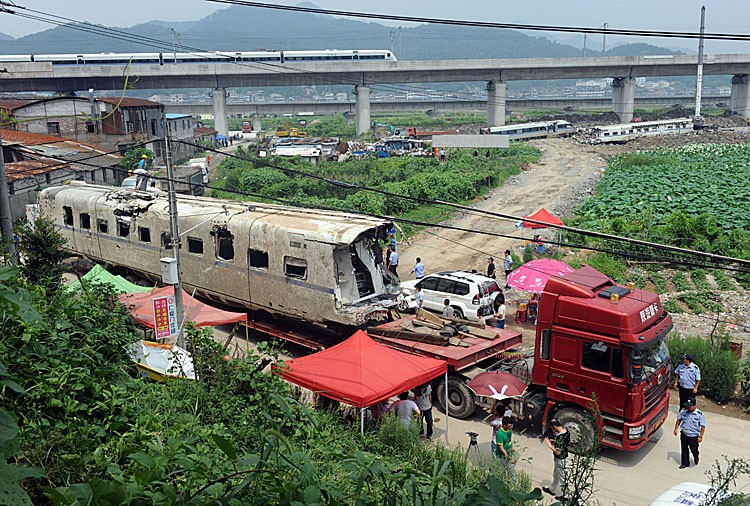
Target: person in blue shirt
(392, 260)
(420, 298)
(692, 426)
(687, 378)
(418, 269)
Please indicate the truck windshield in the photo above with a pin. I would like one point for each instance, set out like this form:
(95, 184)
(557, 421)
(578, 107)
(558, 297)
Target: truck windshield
(654, 357)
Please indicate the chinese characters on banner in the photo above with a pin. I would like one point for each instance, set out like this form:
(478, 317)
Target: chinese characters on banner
(165, 317)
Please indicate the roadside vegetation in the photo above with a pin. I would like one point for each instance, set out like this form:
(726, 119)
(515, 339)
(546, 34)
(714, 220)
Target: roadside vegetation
(460, 179)
(693, 197)
(78, 426)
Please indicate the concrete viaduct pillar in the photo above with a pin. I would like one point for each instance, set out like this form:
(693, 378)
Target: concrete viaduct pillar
(623, 98)
(219, 96)
(496, 93)
(257, 124)
(362, 108)
(740, 98)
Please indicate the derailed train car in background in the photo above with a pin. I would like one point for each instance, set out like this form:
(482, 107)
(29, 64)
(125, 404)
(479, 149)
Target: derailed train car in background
(318, 266)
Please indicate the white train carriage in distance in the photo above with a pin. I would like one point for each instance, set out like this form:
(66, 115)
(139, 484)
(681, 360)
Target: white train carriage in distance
(535, 130)
(627, 131)
(318, 266)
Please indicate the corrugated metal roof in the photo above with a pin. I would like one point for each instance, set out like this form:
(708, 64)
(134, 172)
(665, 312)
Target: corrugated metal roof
(129, 102)
(12, 104)
(30, 168)
(201, 131)
(26, 138)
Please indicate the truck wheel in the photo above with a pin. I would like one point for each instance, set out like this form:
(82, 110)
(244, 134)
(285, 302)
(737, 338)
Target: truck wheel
(461, 401)
(582, 429)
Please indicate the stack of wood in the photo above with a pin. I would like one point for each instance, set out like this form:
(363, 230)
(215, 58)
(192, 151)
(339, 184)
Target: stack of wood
(430, 328)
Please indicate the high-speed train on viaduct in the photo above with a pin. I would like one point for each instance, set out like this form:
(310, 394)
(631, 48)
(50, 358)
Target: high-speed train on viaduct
(167, 58)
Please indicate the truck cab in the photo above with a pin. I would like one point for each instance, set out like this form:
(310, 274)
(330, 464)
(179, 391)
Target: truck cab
(601, 364)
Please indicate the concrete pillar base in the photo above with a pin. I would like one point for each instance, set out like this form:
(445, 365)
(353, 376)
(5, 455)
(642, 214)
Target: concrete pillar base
(362, 108)
(496, 93)
(740, 98)
(219, 96)
(623, 98)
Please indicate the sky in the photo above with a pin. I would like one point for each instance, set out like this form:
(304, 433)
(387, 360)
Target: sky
(679, 15)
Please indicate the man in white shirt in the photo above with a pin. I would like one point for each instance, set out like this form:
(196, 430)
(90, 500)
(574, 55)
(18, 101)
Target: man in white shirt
(448, 311)
(420, 298)
(423, 396)
(392, 261)
(406, 409)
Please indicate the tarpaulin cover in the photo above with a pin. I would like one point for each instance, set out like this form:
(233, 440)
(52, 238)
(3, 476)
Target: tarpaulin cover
(201, 314)
(543, 216)
(360, 371)
(99, 274)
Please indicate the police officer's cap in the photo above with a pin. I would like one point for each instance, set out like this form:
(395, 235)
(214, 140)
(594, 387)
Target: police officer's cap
(689, 402)
(687, 356)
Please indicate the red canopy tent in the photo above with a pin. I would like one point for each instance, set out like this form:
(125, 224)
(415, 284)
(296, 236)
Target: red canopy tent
(361, 372)
(202, 314)
(542, 216)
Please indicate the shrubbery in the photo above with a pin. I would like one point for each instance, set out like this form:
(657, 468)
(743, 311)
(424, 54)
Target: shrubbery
(90, 432)
(719, 366)
(460, 179)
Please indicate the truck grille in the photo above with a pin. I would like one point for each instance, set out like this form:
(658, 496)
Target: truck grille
(655, 394)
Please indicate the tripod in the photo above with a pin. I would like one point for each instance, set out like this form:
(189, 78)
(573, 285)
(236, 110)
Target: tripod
(473, 443)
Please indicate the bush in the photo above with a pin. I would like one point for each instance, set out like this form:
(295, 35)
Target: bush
(719, 367)
(745, 381)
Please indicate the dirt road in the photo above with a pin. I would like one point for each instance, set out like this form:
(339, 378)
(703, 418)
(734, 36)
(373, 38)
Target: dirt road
(564, 168)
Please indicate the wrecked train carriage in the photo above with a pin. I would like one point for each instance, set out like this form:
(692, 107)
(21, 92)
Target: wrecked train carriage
(318, 266)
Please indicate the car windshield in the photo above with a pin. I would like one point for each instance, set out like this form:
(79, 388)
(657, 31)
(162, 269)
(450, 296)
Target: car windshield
(489, 287)
(655, 356)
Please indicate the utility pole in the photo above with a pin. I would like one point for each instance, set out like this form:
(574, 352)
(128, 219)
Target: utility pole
(400, 45)
(174, 230)
(604, 38)
(6, 223)
(699, 78)
(585, 36)
(94, 115)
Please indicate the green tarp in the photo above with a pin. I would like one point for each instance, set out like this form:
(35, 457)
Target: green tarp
(100, 275)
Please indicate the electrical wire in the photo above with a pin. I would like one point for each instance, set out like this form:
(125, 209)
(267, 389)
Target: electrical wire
(486, 24)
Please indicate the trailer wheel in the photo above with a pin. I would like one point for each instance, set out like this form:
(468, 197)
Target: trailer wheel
(581, 427)
(461, 400)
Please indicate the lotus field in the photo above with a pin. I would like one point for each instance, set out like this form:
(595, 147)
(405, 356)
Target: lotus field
(695, 197)
(699, 178)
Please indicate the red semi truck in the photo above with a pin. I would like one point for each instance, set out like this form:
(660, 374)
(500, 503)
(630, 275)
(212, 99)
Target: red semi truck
(600, 363)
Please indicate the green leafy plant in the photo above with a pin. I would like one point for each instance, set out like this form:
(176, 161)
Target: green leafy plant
(719, 366)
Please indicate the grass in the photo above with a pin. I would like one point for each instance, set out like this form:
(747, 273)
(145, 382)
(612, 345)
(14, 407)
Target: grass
(681, 283)
(659, 282)
(722, 280)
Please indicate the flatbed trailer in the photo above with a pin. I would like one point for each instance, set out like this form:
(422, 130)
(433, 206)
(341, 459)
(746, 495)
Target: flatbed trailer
(475, 355)
(459, 358)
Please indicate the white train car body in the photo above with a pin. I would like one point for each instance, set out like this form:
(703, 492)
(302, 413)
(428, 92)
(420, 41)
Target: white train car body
(318, 266)
(628, 131)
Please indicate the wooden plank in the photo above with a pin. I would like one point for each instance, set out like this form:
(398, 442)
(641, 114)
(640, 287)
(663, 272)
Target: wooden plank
(429, 317)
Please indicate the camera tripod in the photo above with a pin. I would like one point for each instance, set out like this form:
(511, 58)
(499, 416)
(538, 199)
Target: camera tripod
(473, 443)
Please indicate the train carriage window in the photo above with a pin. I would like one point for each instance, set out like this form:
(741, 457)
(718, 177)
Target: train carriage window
(596, 356)
(123, 229)
(195, 245)
(257, 259)
(68, 215)
(223, 243)
(85, 219)
(144, 234)
(295, 267)
(102, 226)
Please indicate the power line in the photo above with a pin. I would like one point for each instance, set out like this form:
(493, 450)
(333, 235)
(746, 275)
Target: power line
(486, 24)
(502, 216)
(162, 45)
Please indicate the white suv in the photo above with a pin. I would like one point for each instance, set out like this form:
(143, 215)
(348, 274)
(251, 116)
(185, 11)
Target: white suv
(470, 294)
